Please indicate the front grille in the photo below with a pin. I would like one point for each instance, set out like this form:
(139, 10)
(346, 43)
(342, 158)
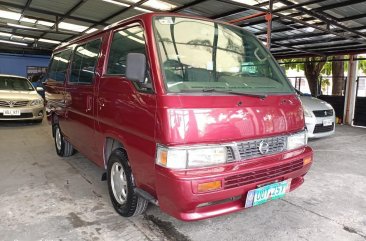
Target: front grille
(13, 103)
(323, 113)
(262, 174)
(319, 128)
(22, 115)
(250, 149)
(230, 154)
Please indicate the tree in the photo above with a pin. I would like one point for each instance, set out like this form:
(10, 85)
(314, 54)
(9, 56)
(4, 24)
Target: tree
(338, 74)
(312, 68)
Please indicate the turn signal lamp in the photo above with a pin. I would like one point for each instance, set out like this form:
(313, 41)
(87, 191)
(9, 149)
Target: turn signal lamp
(307, 160)
(209, 186)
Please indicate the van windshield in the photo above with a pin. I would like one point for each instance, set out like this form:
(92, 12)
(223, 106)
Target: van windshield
(203, 56)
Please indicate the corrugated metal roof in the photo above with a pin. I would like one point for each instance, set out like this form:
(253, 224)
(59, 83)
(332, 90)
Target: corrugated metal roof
(295, 31)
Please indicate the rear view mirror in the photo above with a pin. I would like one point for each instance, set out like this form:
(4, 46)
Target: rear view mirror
(39, 89)
(136, 67)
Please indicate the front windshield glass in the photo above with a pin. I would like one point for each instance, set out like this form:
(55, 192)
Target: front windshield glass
(14, 83)
(204, 56)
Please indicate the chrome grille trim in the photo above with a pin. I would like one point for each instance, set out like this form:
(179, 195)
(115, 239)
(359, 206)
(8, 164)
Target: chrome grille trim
(13, 103)
(250, 149)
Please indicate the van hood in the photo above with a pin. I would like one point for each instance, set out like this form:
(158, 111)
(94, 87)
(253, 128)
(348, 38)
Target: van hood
(312, 103)
(218, 119)
(19, 95)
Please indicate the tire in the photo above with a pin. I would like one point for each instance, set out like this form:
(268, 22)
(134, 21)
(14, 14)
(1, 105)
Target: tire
(63, 147)
(121, 186)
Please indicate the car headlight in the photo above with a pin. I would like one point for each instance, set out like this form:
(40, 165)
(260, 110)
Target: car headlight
(37, 102)
(190, 157)
(307, 113)
(297, 140)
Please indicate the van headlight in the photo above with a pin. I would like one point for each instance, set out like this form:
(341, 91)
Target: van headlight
(297, 140)
(37, 102)
(190, 157)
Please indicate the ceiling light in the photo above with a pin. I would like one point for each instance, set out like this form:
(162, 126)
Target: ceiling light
(48, 41)
(28, 20)
(72, 27)
(143, 10)
(91, 30)
(15, 37)
(117, 3)
(19, 26)
(5, 34)
(160, 5)
(28, 39)
(10, 15)
(45, 23)
(156, 4)
(249, 2)
(15, 43)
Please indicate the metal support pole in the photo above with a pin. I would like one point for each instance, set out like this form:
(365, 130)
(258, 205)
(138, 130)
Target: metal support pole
(269, 24)
(351, 94)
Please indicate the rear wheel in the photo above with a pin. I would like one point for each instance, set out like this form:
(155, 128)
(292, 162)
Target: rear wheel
(63, 147)
(121, 186)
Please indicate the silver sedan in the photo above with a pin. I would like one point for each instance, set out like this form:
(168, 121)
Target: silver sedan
(19, 100)
(319, 117)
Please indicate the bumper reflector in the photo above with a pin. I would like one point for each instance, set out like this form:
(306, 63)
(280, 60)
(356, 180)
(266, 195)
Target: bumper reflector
(307, 160)
(209, 186)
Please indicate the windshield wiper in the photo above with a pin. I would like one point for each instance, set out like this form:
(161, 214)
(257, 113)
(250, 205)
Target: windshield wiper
(261, 96)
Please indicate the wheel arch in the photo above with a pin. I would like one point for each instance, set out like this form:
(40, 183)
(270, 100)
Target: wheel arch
(111, 143)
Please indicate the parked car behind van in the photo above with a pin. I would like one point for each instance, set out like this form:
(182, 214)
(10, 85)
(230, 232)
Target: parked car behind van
(19, 100)
(319, 116)
(161, 102)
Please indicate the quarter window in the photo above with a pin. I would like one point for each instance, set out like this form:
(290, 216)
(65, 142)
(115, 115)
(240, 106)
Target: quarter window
(84, 62)
(58, 66)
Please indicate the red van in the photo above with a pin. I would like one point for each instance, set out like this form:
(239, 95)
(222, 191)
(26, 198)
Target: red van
(189, 114)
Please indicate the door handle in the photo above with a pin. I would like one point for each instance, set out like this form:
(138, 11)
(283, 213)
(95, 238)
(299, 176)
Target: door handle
(101, 103)
(88, 104)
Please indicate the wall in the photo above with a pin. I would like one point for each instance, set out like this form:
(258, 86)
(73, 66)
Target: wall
(17, 64)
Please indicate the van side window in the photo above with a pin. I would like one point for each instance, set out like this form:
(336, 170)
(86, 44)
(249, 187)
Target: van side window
(130, 40)
(84, 62)
(58, 66)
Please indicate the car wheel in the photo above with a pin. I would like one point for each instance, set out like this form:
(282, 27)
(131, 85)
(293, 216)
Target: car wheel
(63, 147)
(121, 186)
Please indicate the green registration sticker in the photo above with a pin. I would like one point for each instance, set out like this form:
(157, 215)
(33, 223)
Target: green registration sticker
(266, 193)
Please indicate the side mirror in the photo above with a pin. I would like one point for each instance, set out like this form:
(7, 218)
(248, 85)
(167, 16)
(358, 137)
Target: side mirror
(136, 67)
(39, 89)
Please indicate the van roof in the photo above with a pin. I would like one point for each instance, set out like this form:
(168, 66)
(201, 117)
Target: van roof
(130, 19)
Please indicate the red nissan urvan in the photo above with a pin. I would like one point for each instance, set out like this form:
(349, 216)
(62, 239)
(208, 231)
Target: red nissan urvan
(189, 114)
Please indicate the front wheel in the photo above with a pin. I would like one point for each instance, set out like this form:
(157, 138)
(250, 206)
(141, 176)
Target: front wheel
(121, 186)
(63, 147)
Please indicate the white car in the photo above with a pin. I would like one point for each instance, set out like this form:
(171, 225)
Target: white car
(19, 100)
(319, 116)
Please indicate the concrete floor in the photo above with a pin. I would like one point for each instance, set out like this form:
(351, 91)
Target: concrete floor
(44, 197)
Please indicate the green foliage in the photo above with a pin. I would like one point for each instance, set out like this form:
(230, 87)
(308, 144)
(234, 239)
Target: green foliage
(327, 69)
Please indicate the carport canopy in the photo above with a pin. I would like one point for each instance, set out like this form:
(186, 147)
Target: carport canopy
(295, 28)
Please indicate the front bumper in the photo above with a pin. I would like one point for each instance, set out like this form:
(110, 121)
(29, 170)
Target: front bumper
(26, 113)
(315, 128)
(177, 192)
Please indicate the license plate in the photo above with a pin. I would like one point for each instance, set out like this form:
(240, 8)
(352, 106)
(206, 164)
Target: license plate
(266, 193)
(327, 122)
(11, 112)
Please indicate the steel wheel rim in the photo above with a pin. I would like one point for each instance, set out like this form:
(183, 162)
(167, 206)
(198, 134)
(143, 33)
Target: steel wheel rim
(119, 183)
(58, 138)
